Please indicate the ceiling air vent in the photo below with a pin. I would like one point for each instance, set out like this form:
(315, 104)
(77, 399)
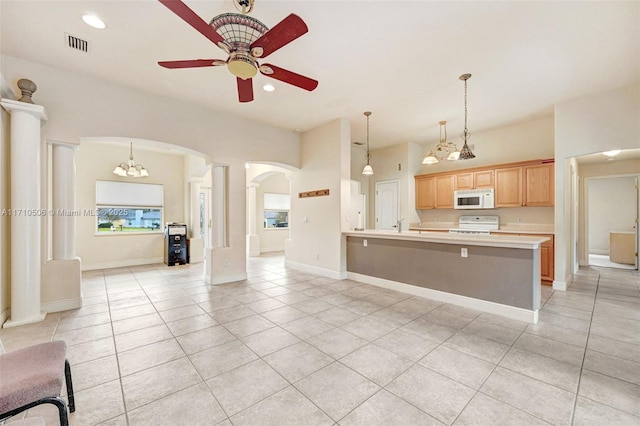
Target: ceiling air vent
(76, 43)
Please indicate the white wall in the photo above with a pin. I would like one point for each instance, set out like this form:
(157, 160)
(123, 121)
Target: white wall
(612, 208)
(316, 242)
(95, 161)
(596, 123)
(272, 239)
(83, 107)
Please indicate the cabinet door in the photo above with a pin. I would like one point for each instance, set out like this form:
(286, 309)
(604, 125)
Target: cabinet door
(508, 187)
(444, 191)
(484, 179)
(464, 180)
(546, 262)
(425, 192)
(547, 254)
(539, 185)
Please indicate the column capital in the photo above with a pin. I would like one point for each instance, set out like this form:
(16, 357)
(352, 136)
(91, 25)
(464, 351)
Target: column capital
(253, 185)
(37, 111)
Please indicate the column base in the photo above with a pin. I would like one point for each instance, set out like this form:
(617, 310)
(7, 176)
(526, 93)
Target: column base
(11, 323)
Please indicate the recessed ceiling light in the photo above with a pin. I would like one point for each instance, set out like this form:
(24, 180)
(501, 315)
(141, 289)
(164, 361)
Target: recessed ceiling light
(268, 88)
(93, 21)
(612, 153)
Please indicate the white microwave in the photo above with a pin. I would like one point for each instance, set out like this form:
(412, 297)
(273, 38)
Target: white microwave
(474, 199)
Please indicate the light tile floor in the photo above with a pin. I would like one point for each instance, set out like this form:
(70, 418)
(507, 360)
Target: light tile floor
(154, 345)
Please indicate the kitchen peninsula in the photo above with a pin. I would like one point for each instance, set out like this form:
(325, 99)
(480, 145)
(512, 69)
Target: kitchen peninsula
(499, 274)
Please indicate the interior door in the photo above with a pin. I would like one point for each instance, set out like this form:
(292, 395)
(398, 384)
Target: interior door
(387, 205)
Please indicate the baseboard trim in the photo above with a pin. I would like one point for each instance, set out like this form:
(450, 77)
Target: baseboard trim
(336, 275)
(562, 285)
(271, 249)
(62, 305)
(225, 279)
(122, 263)
(512, 312)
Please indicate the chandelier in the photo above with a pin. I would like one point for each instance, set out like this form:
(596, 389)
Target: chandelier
(368, 170)
(444, 149)
(130, 168)
(465, 153)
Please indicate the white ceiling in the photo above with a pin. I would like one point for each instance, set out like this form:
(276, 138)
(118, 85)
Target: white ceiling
(399, 59)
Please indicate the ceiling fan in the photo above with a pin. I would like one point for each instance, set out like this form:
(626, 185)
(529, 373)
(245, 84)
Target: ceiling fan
(245, 40)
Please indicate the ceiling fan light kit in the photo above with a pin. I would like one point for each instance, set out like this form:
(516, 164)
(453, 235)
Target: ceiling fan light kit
(244, 39)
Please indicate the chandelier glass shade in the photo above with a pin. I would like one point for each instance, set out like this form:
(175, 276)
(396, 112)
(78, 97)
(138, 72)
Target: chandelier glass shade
(443, 150)
(130, 168)
(367, 170)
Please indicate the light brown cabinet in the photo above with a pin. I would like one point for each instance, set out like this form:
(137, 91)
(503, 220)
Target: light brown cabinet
(546, 258)
(425, 192)
(475, 180)
(508, 187)
(539, 185)
(527, 183)
(444, 191)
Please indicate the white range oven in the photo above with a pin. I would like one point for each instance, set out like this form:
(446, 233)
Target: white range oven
(482, 225)
(474, 199)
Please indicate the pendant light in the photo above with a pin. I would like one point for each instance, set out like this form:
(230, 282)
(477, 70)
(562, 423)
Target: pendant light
(444, 149)
(465, 152)
(130, 168)
(368, 170)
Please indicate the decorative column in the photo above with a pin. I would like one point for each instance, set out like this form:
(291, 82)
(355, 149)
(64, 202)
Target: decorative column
(253, 239)
(26, 209)
(64, 201)
(219, 206)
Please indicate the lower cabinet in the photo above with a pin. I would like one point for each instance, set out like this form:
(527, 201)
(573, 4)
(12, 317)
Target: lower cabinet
(546, 258)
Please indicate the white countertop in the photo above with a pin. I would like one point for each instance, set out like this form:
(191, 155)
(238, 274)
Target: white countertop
(510, 241)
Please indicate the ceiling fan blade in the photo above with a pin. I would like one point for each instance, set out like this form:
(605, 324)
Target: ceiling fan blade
(190, 17)
(289, 77)
(287, 30)
(192, 63)
(245, 89)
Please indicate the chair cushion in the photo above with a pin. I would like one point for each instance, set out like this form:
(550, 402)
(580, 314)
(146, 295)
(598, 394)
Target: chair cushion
(32, 373)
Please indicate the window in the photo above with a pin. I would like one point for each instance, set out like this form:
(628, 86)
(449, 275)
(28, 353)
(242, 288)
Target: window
(276, 210)
(126, 208)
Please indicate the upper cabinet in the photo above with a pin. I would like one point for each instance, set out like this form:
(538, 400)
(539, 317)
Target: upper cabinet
(434, 192)
(475, 180)
(444, 191)
(528, 183)
(539, 185)
(508, 187)
(425, 192)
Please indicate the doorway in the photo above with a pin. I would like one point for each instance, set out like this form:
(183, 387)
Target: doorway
(387, 205)
(612, 207)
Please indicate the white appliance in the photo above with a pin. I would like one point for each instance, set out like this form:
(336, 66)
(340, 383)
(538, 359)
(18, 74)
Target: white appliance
(474, 199)
(482, 225)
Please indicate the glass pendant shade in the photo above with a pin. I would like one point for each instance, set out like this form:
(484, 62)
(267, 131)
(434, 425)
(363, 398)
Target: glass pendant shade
(130, 168)
(367, 170)
(444, 150)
